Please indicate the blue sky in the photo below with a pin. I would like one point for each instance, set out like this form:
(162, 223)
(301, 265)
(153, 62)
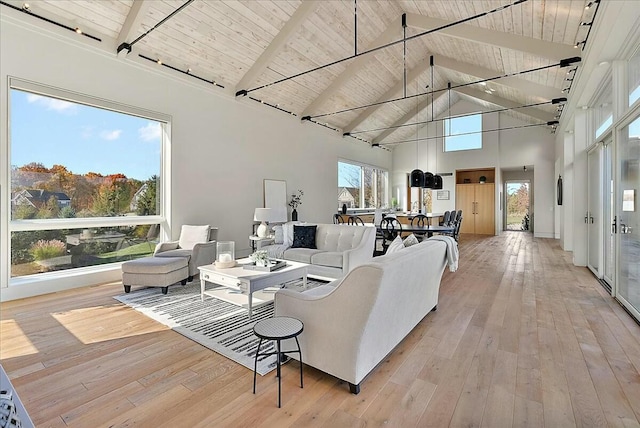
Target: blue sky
(82, 138)
(346, 171)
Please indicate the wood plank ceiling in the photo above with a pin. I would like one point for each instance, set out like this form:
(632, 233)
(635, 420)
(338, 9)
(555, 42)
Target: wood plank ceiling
(244, 45)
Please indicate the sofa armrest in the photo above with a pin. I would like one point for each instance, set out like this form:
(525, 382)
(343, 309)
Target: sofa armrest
(165, 246)
(203, 254)
(362, 253)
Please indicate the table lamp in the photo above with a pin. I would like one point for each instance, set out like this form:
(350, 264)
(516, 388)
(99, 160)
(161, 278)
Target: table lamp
(262, 215)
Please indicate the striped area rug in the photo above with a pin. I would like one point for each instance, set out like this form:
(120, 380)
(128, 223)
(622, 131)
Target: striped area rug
(220, 326)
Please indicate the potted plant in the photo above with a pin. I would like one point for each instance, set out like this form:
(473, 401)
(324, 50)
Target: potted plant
(260, 258)
(296, 199)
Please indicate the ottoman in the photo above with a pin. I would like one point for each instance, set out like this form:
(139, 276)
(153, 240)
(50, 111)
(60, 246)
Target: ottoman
(155, 272)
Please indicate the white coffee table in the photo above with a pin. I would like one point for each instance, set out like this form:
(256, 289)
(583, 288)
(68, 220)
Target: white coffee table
(247, 281)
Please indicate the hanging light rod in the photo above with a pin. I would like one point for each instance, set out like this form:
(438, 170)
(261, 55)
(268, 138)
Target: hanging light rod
(244, 92)
(552, 123)
(187, 71)
(128, 46)
(27, 9)
(553, 101)
(564, 63)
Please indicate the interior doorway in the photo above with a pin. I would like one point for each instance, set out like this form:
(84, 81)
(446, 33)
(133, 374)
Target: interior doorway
(517, 204)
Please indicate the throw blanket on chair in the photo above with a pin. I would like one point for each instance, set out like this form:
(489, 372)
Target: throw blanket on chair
(452, 250)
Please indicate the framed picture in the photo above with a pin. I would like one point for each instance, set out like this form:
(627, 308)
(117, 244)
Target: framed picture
(275, 197)
(442, 195)
(628, 200)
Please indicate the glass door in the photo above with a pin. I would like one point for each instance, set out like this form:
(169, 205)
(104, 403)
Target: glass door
(628, 211)
(592, 216)
(608, 219)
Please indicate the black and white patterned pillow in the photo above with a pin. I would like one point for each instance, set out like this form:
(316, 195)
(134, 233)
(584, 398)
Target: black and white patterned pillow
(304, 236)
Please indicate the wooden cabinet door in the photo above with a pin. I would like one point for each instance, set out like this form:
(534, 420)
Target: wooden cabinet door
(465, 197)
(484, 209)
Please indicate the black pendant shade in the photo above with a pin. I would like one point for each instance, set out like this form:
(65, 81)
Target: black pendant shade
(417, 178)
(428, 180)
(437, 182)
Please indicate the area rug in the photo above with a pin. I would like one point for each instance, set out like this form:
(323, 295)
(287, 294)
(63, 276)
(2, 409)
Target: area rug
(220, 326)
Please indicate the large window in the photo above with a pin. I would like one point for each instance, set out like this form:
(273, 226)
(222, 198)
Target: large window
(634, 78)
(361, 186)
(463, 133)
(86, 183)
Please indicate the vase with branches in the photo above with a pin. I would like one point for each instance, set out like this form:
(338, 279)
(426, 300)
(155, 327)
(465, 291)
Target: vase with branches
(294, 202)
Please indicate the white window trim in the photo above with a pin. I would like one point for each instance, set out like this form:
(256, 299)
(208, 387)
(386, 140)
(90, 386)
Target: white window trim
(19, 287)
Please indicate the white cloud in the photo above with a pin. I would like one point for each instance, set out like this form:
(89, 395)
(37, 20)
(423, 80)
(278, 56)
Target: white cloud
(150, 132)
(51, 103)
(111, 135)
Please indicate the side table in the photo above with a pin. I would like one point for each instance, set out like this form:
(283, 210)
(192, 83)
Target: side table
(278, 329)
(259, 242)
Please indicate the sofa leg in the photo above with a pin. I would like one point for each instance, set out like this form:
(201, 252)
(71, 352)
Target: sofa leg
(164, 290)
(190, 278)
(127, 288)
(184, 281)
(435, 308)
(354, 389)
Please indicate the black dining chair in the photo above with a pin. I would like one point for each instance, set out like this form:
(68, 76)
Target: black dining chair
(337, 219)
(446, 218)
(390, 227)
(420, 220)
(355, 220)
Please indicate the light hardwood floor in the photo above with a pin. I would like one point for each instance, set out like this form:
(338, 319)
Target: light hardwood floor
(521, 338)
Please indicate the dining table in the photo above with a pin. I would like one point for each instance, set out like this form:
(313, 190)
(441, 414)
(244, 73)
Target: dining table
(421, 230)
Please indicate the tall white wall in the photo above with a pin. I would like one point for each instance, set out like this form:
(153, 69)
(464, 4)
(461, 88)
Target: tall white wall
(222, 148)
(533, 147)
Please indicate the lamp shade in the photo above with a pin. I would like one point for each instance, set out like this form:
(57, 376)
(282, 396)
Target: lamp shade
(262, 214)
(437, 182)
(428, 180)
(416, 178)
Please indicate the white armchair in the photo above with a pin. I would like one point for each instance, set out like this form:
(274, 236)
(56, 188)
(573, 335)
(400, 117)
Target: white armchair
(198, 243)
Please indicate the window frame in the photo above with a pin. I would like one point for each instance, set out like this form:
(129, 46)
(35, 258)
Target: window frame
(446, 124)
(385, 198)
(10, 225)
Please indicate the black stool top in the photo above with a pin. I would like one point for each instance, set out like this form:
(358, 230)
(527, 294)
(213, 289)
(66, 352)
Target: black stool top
(278, 328)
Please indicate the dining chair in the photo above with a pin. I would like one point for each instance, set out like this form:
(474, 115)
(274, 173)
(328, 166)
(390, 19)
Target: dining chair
(390, 227)
(446, 218)
(420, 220)
(355, 220)
(337, 219)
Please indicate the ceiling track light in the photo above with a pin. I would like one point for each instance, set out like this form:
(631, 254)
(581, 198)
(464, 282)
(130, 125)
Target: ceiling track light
(577, 45)
(26, 8)
(188, 71)
(584, 24)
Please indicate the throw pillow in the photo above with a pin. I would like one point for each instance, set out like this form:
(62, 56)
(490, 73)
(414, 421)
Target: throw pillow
(395, 246)
(304, 237)
(278, 232)
(287, 233)
(411, 240)
(192, 235)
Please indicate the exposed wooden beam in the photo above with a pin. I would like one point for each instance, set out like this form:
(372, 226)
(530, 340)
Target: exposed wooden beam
(391, 33)
(405, 118)
(289, 30)
(541, 48)
(389, 94)
(131, 25)
(501, 102)
(519, 84)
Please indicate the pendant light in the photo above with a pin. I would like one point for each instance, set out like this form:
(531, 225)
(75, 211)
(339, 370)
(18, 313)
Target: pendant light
(416, 178)
(437, 179)
(429, 178)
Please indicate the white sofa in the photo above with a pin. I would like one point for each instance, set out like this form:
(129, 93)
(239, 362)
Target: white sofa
(339, 248)
(351, 324)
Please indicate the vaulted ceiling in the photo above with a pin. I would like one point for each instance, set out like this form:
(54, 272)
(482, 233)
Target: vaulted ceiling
(339, 63)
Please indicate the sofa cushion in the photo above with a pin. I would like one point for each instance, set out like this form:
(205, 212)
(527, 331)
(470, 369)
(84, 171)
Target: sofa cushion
(304, 237)
(154, 265)
(302, 255)
(287, 233)
(396, 245)
(278, 234)
(328, 258)
(175, 253)
(192, 235)
(410, 240)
